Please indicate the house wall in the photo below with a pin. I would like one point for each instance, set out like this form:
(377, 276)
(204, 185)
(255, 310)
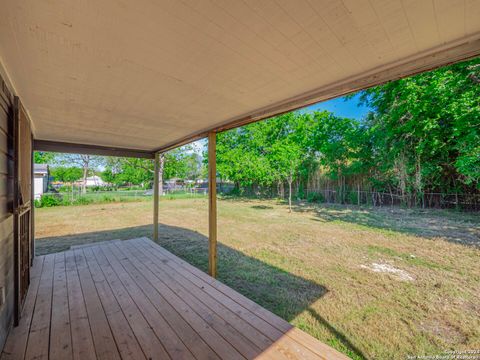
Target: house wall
(39, 186)
(6, 216)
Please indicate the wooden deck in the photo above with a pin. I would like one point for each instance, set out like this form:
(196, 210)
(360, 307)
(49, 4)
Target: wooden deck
(135, 300)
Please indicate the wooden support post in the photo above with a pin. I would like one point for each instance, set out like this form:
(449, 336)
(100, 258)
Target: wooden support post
(156, 196)
(212, 204)
(32, 207)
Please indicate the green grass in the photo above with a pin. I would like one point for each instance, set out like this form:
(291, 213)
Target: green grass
(68, 199)
(312, 267)
(408, 258)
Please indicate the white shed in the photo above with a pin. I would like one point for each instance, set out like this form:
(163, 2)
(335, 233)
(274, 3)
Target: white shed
(40, 185)
(94, 181)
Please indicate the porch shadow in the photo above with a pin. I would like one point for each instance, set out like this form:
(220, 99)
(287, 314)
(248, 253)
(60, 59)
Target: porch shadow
(275, 289)
(456, 227)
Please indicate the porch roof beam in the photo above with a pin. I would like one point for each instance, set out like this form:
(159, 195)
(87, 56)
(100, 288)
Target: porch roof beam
(421, 62)
(64, 147)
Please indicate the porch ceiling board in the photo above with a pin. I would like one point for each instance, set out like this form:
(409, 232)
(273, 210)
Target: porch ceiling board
(149, 75)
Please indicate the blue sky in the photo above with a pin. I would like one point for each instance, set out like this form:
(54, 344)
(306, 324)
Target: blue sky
(341, 107)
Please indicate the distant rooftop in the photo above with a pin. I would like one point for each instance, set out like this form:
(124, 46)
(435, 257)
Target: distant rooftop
(40, 168)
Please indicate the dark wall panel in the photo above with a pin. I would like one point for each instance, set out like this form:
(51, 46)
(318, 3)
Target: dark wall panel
(6, 216)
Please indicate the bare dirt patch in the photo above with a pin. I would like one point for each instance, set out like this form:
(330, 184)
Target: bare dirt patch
(389, 269)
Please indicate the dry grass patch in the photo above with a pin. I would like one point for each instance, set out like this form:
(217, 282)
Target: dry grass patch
(332, 271)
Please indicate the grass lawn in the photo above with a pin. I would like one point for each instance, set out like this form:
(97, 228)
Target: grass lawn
(373, 283)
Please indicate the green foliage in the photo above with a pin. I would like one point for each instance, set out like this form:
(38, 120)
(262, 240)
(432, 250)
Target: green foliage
(41, 157)
(427, 128)
(82, 200)
(66, 174)
(180, 163)
(265, 153)
(423, 135)
(314, 197)
(49, 201)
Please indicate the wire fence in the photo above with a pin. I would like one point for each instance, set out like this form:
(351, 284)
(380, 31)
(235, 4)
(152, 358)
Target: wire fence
(469, 202)
(76, 197)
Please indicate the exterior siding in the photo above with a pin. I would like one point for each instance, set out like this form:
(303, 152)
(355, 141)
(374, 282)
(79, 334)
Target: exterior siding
(6, 216)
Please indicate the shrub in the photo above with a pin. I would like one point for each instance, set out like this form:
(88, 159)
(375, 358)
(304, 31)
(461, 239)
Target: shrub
(352, 197)
(50, 200)
(315, 197)
(107, 199)
(300, 194)
(82, 201)
(134, 187)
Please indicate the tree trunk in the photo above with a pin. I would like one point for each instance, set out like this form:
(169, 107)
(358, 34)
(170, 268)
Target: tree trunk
(84, 179)
(290, 195)
(358, 194)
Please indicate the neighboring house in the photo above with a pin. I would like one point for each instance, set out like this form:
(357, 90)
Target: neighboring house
(94, 181)
(173, 184)
(41, 174)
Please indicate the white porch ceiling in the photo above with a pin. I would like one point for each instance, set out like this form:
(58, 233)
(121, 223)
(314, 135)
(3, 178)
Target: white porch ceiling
(145, 74)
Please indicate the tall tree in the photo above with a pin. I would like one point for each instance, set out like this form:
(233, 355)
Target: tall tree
(66, 174)
(83, 161)
(429, 128)
(42, 157)
(180, 163)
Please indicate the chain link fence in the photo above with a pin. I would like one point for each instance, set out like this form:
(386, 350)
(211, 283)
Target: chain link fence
(470, 202)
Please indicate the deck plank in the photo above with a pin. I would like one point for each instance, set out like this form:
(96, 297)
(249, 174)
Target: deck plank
(16, 343)
(227, 294)
(285, 345)
(37, 346)
(105, 346)
(127, 342)
(180, 313)
(60, 335)
(135, 300)
(151, 301)
(272, 325)
(164, 283)
(82, 341)
(144, 331)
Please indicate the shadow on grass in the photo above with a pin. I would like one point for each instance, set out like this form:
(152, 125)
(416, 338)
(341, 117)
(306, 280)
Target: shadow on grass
(342, 339)
(262, 207)
(455, 227)
(277, 290)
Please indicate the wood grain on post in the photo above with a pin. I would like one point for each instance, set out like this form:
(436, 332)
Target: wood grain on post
(155, 197)
(212, 205)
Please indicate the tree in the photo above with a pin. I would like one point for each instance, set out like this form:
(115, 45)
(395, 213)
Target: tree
(66, 174)
(41, 157)
(178, 163)
(428, 128)
(85, 162)
(423, 135)
(119, 171)
(266, 153)
(286, 157)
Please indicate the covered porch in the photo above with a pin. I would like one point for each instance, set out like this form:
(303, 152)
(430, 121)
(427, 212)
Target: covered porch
(135, 300)
(138, 79)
